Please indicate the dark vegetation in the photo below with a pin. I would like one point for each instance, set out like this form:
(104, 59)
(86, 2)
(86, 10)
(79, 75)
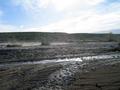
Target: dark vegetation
(56, 37)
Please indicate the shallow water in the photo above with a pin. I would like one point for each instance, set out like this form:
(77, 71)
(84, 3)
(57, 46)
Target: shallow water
(80, 59)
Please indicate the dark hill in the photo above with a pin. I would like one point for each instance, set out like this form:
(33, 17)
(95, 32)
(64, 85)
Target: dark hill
(54, 37)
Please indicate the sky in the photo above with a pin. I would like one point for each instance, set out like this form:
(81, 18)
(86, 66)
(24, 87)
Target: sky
(70, 16)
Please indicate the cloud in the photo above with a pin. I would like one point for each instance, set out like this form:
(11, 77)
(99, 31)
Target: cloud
(59, 5)
(89, 23)
(79, 15)
(31, 5)
(64, 5)
(86, 23)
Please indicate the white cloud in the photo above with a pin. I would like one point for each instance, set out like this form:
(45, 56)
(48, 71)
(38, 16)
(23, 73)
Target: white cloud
(64, 5)
(31, 5)
(88, 23)
(114, 7)
(60, 5)
(79, 15)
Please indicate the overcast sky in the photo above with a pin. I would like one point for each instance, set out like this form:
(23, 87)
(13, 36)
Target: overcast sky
(71, 16)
